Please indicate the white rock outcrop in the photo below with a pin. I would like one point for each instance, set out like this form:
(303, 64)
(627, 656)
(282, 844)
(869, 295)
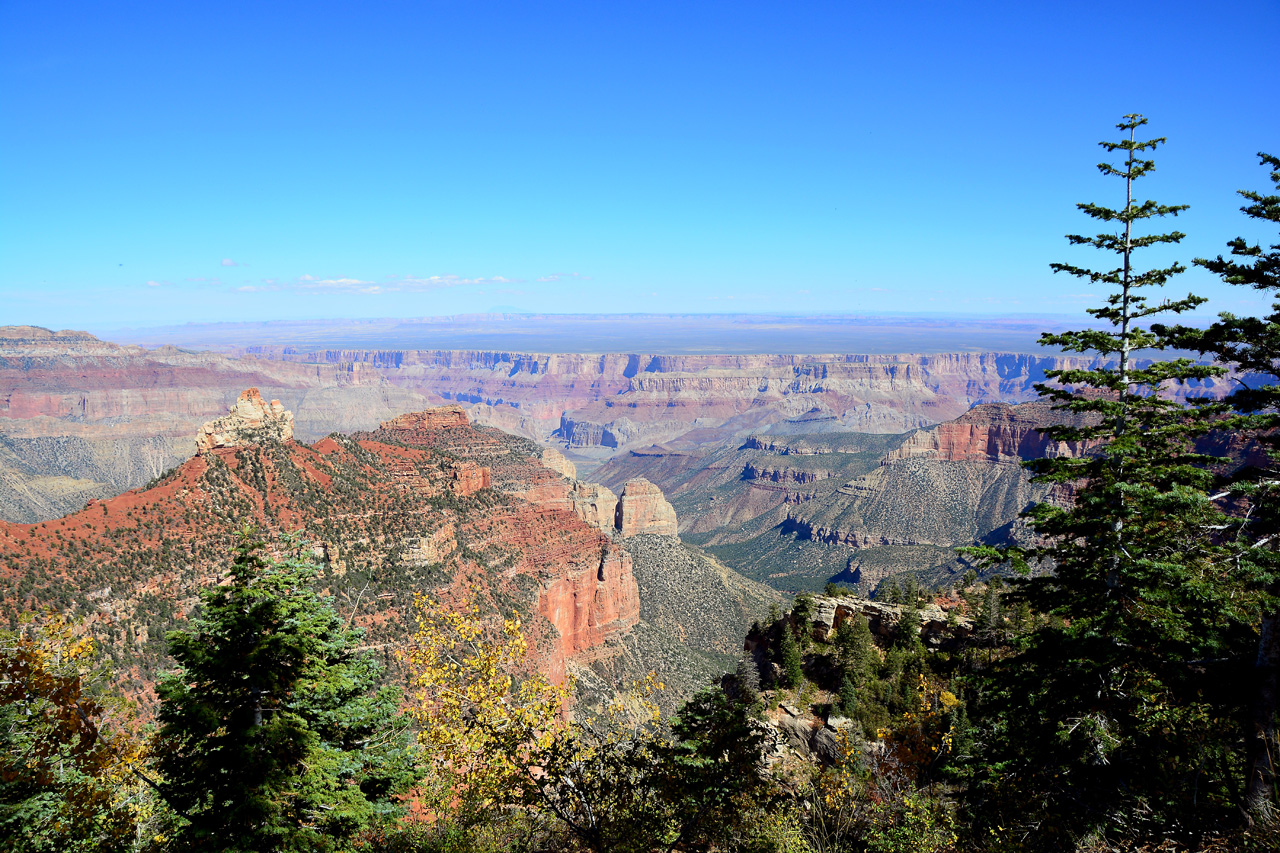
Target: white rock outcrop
(250, 421)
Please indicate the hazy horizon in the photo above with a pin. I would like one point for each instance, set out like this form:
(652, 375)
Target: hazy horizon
(660, 334)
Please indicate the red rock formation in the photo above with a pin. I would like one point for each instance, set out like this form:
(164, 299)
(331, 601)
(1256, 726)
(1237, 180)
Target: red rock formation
(643, 509)
(992, 432)
(783, 474)
(443, 417)
(468, 478)
(588, 607)
(368, 504)
(616, 400)
(556, 461)
(594, 504)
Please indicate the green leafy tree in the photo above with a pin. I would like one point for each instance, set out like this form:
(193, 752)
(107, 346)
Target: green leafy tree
(66, 775)
(1115, 718)
(272, 736)
(1252, 346)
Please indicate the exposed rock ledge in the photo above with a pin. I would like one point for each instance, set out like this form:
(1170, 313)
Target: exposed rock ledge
(783, 474)
(642, 508)
(250, 420)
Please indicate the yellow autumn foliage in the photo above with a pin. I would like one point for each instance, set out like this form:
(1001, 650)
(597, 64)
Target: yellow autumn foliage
(479, 730)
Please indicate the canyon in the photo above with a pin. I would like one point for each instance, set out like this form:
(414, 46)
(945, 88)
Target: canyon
(794, 469)
(798, 511)
(424, 503)
(83, 418)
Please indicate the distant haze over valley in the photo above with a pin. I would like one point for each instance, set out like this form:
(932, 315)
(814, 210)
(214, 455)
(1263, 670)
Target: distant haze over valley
(658, 334)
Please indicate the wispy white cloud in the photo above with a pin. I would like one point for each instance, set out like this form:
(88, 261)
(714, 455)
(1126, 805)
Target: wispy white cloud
(421, 284)
(158, 283)
(561, 276)
(310, 283)
(390, 284)
(227, 262)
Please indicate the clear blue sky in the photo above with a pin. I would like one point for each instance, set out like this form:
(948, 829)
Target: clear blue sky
(173, 162)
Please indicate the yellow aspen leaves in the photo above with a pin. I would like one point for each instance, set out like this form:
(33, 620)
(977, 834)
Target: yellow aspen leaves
(479, 730)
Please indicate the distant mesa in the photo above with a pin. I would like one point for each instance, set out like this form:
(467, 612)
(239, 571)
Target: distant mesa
(595, 504)
(250, 421)
(40, 333)
(443, 417)
(558, 462)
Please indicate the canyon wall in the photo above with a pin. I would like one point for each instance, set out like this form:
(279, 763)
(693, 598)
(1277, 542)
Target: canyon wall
(123, 414)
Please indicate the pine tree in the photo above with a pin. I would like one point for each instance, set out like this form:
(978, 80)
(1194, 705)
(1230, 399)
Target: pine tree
(789, 656)
(853, 649)
(909, 626)
(271, 734)
(1104, 716)
(1252, 346)
(747, 680)
(987, 625)
(889, 592)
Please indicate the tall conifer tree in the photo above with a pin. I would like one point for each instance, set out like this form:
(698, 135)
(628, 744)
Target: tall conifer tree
(272, 734)
(1252, 346)
(1103, 721)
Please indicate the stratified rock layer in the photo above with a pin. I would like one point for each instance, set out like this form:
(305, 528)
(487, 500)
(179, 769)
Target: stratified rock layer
(370, 506)
(992, 432)
(558, 462)
(594, 504)
(643, 509)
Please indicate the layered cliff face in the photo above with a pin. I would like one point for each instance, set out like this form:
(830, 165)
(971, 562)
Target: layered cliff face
(82, 418)
(133, 412)
(614, 402)
(408, 507)
(798, 510)
(991, 433)
(643, 509)
(425, 503)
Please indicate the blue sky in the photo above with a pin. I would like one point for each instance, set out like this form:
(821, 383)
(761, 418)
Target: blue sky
(164, 163)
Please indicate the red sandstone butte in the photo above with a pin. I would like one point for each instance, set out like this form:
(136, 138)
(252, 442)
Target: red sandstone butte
(642, 508)
(588, 607)
(444, 417)
(358, 500)
(469, 478)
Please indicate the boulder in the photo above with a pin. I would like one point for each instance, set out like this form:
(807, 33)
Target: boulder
(936, 628)
(796, 732)
(826, 744)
